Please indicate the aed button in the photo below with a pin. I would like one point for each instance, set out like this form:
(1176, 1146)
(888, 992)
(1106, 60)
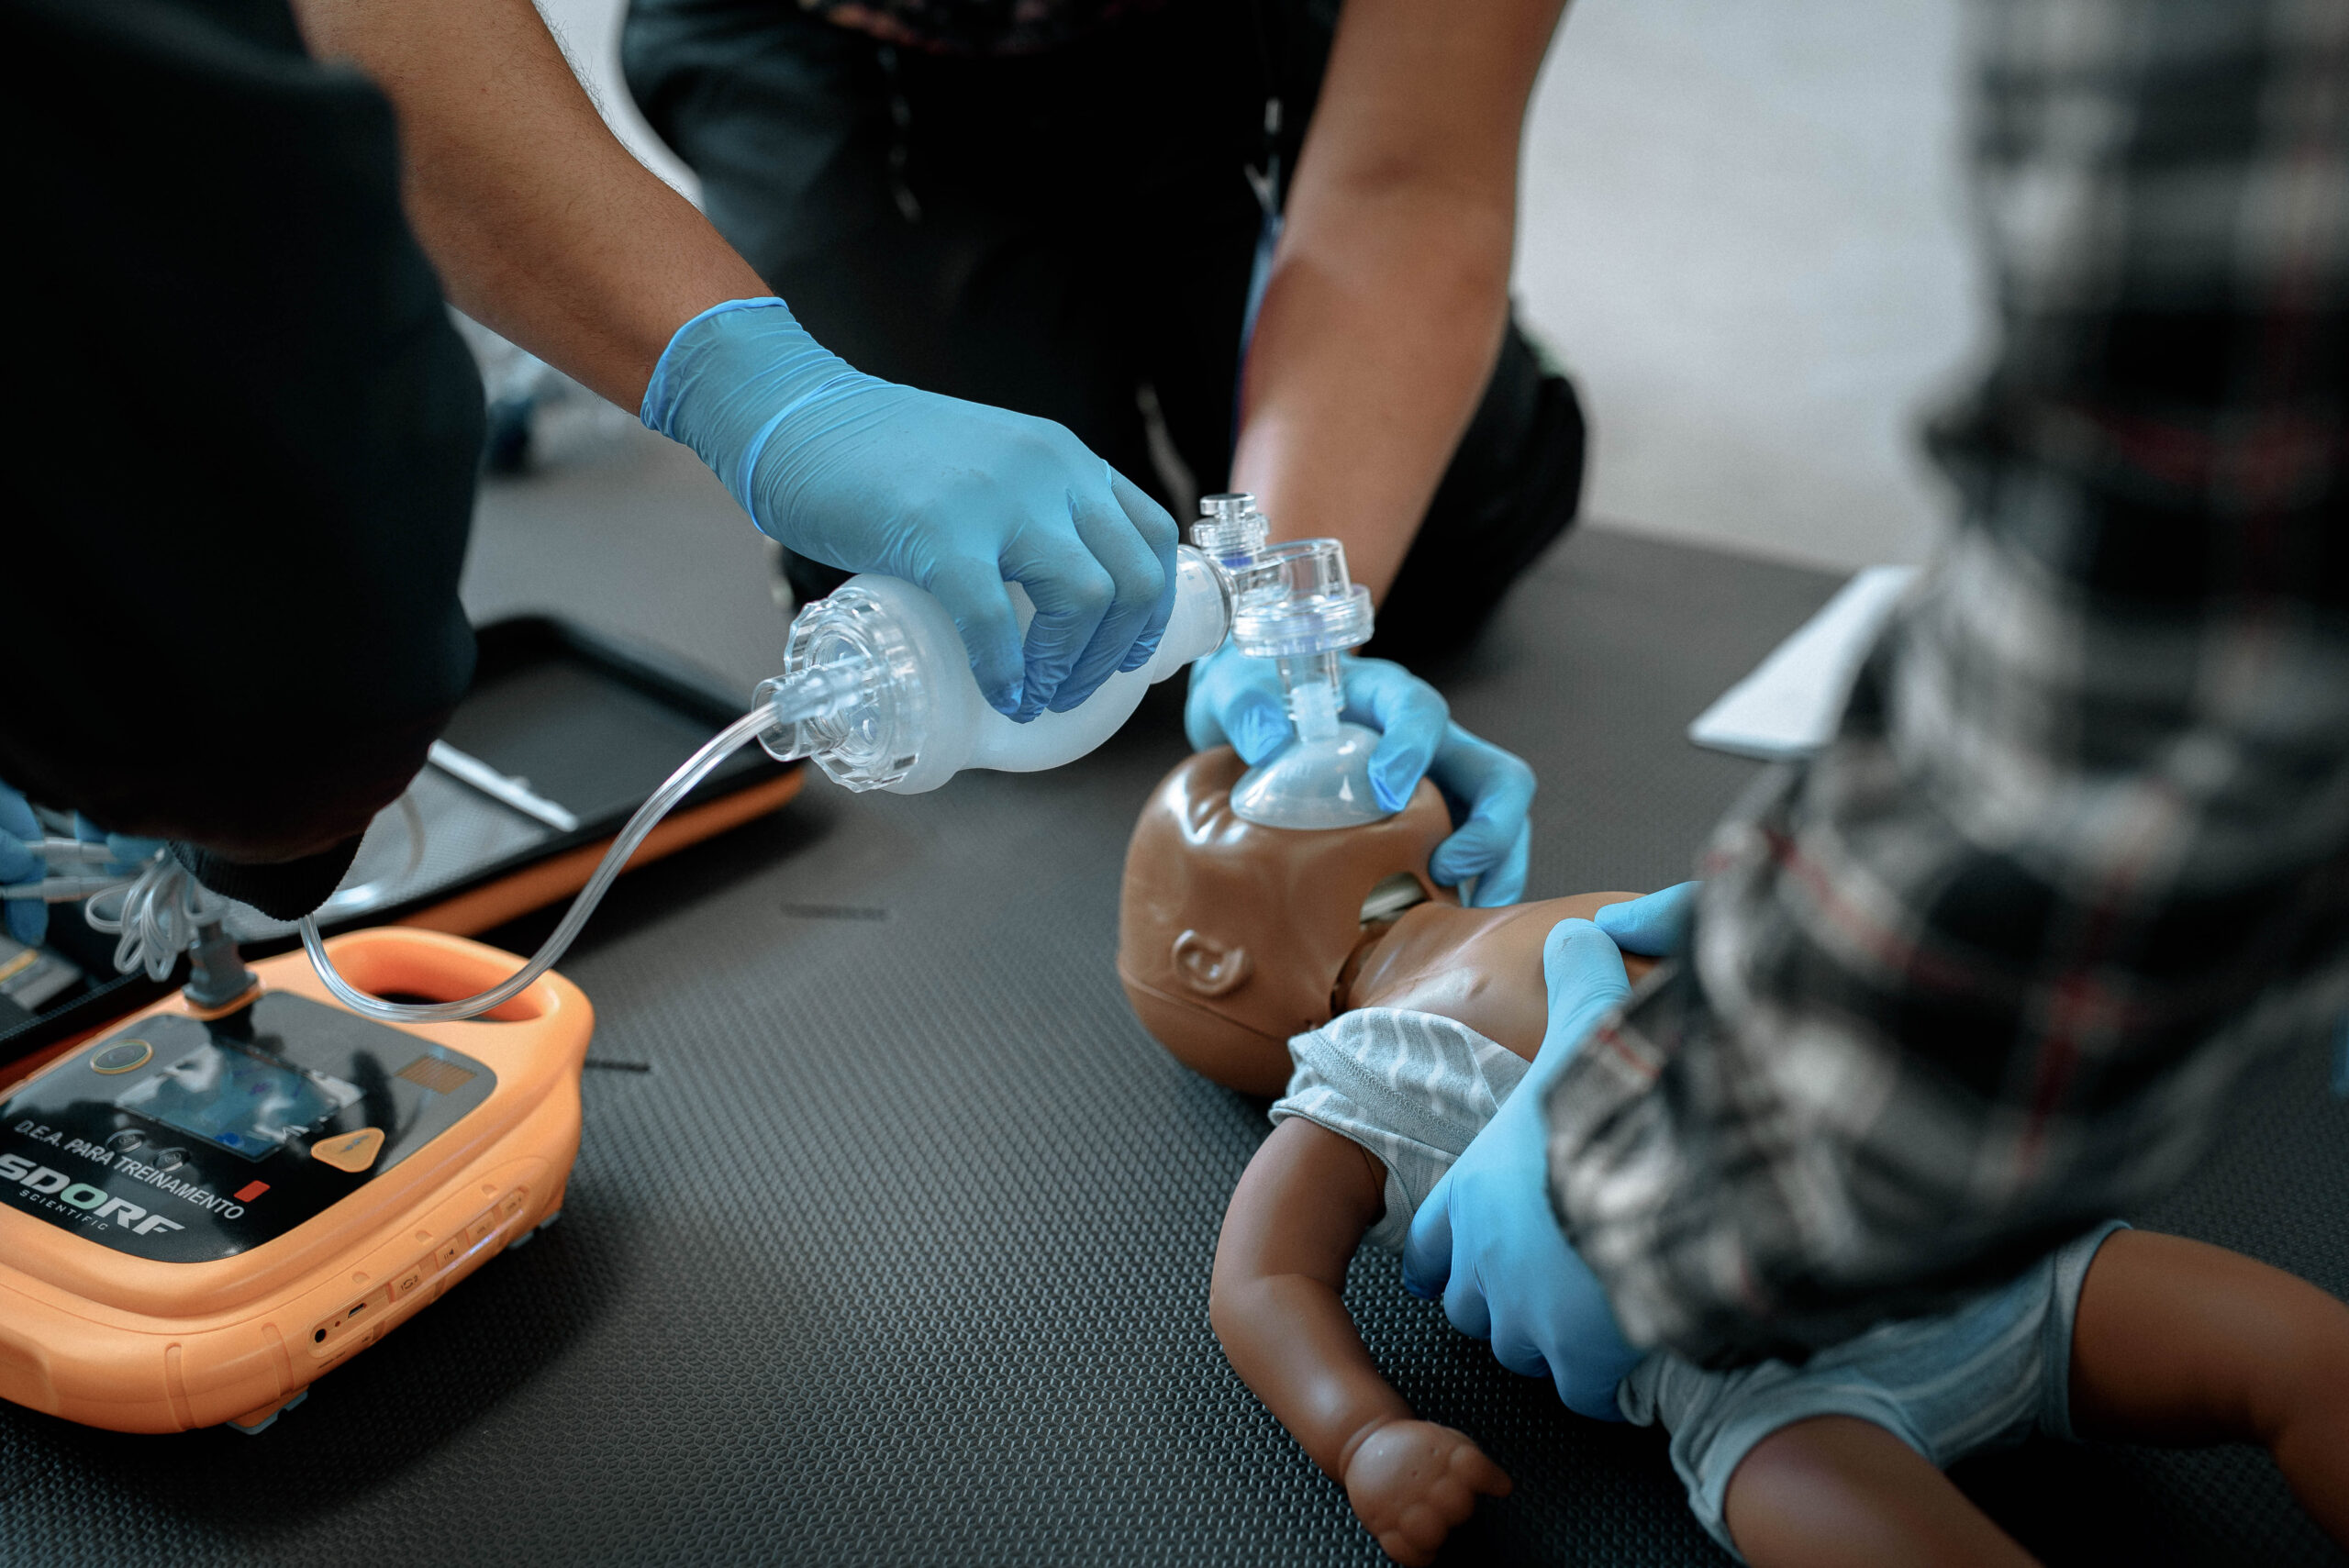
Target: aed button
(353, 1151)
(123, 1056)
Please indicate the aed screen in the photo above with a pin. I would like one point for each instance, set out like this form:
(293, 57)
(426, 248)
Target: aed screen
(237, 1101)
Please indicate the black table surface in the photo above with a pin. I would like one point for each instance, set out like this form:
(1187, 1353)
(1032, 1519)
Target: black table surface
(889, 1238)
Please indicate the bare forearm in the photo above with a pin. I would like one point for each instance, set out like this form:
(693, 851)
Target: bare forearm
(542, 224)
(1390, 290)
(1372, 350)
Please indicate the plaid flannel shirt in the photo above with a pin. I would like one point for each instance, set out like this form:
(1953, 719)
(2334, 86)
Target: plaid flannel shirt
(1985, 969)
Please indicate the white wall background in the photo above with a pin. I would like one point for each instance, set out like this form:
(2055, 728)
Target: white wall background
(590, 33)
(1744, 229)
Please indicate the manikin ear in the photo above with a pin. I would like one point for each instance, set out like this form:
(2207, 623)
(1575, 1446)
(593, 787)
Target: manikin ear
(1207, 966)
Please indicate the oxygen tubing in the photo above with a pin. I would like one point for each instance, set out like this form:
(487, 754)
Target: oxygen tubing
(806, 695)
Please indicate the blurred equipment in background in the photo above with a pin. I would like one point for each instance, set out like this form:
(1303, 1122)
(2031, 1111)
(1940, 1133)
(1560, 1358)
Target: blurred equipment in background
(538, 417)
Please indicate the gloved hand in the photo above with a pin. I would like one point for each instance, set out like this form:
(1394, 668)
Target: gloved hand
(1653, 926)
(1486, 1238)
(125, 854)
(956, 498)
(1237, 697)
(30, 858)
(26, 920)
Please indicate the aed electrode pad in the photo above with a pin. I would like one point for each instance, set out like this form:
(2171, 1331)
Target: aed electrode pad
(186, 1142)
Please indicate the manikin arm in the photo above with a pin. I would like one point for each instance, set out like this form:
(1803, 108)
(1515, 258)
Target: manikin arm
(542, 225)
(1300, 1211)
(1390, 288)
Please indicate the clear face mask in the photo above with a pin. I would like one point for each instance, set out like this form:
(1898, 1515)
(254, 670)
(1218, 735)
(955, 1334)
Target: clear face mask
(1301, 609)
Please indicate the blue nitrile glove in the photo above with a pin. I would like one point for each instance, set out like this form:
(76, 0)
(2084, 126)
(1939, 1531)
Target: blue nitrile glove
(956, 498)
(31, 857)
(1486, 1238)
(26, 920)
(1653, 926)
(1236, 697)
(130, 853)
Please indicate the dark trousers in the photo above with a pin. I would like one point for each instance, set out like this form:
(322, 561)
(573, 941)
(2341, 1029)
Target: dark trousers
(1056, 232)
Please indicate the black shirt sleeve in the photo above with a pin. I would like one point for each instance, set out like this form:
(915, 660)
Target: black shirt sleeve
(239, 437)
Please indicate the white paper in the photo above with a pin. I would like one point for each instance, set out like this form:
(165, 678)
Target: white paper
(1789, 706)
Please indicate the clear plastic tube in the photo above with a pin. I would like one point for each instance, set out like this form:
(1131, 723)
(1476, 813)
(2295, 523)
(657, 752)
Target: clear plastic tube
(157, 917)
(787, 704)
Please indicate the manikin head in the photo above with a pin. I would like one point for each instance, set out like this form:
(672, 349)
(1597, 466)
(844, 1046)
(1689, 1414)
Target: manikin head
(1232, 937)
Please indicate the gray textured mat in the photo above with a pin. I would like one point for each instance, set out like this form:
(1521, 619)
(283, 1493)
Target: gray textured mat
(889, 1243)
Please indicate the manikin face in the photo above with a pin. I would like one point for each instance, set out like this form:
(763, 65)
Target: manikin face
(1231, 937)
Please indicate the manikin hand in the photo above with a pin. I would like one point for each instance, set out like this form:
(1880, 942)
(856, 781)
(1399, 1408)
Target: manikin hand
(1410, 1481)
(955, 498)
(1486, 1238)
(1237, 698)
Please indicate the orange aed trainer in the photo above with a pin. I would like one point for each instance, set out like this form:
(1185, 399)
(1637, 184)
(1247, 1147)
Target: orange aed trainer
(202, 1212)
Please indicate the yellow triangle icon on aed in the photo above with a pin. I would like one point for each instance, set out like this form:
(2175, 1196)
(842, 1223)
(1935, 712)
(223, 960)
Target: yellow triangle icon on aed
(353, 1151)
